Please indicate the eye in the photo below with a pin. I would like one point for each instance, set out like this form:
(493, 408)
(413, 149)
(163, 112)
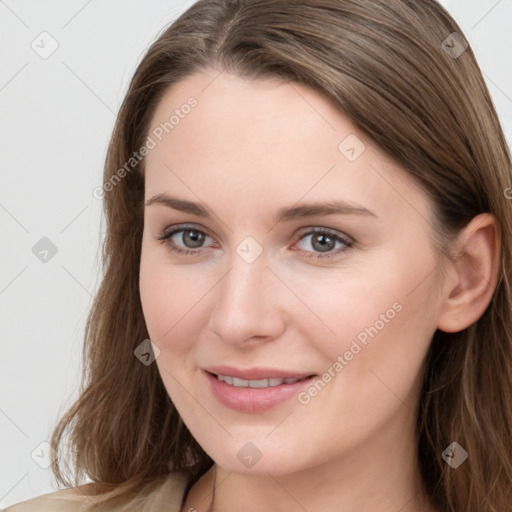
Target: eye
(191, 237)
(324, 240)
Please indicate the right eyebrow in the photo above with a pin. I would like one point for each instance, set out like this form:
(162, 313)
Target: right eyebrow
(178, 204)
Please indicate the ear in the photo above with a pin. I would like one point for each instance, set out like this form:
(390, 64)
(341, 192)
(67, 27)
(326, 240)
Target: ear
(472, 276)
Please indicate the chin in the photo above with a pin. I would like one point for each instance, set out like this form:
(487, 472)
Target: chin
(259, 456)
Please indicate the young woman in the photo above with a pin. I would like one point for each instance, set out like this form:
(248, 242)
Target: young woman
(306, 302)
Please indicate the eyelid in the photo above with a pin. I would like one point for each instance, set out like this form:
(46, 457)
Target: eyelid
(319, 229)
(170, 230)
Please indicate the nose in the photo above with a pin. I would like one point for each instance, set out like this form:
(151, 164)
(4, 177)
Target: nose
(249, 303)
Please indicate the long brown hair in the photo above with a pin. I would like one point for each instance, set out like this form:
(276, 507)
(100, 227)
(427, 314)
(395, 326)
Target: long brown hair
(391, 67)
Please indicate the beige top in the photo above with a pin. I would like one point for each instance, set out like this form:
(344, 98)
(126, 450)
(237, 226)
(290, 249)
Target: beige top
(166, 498)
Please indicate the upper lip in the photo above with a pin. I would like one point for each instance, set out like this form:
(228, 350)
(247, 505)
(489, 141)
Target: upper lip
(257, 373)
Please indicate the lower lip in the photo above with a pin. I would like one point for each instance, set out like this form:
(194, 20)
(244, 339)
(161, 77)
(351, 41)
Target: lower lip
(254, 399)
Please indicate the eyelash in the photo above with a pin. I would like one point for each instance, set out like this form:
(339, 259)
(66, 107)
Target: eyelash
(349, 243)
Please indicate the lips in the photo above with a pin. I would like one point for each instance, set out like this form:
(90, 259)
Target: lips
(259, 398)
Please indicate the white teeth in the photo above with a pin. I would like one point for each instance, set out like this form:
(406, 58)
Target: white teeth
(240, 383)
(261, 383)
(227, 379)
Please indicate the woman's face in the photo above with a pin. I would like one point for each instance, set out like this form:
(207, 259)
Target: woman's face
(308, 253)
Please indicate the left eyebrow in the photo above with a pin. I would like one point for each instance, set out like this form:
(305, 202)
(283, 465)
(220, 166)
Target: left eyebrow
(285, 214)
(321, 209)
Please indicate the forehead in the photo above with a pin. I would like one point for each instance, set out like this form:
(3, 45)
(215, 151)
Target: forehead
(267, 142)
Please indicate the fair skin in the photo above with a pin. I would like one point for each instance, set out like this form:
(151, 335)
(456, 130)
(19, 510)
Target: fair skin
(246, 150)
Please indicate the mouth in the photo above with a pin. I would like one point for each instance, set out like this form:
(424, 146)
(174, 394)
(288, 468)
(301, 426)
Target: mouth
(255, 395)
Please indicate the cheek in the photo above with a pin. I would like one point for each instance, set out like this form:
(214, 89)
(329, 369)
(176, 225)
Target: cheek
(163, 296)
(165, 303)
(346, 304)
(373, 372)
(173, 302)
(382, 318)
(155, 298)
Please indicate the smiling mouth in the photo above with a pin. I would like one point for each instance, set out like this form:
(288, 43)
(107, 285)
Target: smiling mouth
(257, 383)
(255, 395)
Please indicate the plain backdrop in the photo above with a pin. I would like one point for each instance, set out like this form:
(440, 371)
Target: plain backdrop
(57, 112)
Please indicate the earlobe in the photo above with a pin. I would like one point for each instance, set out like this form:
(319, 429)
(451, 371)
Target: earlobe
(474, 274)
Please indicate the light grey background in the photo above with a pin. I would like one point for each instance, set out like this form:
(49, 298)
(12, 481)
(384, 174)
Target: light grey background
(57, 114)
